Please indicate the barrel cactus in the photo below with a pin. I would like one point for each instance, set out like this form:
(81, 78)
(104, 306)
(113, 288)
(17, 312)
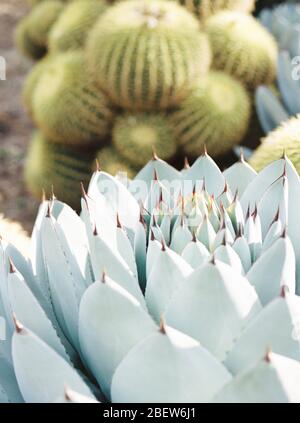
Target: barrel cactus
(54, 167)
(146, 54)
(109, 160)
(136, 136)
(284, 139)
(171, 287)
(206, 8)
(31, 81)
(33, 30)
(216, 114)
(242, 47)
(70, 30)
(114, 68)
(66, 104)
(25, 44)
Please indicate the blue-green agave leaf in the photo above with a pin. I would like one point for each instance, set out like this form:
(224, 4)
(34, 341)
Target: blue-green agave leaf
(217, 296)
(277, 325)
(111, 322)
(274, 268)
(168, 271)
(168, 367)
(42, 374)
(274, 379)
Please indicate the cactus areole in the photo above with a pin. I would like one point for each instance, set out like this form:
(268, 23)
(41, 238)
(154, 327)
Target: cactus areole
(171, 287)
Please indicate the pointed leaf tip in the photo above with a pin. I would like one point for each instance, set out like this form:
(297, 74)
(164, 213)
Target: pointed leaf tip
(95, 231)
(12, 268)
(267, 356)
(239, 233)
(248, 212)
(83, 192)
(254, 214)
(154, 154)
(67, 394)
(152, 235)
(162, 326)
(284, 232)
(98, 168)
(276, 217)
(194, 238)
(18, 325)
(225, 188)
(119, 225)
(284, 290)
(224, 241)
(186, 163)
(53, 197)
(48, 213)
(242, 157)
(284, 154)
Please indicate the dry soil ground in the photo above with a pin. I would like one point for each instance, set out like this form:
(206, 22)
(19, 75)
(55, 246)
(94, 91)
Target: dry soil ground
(15, 127)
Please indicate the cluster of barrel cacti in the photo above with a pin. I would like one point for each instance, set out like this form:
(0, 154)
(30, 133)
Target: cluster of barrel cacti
(119, 81)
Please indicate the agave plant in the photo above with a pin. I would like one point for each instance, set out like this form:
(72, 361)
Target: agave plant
(170, 287)
(283, 22)
(272, 108)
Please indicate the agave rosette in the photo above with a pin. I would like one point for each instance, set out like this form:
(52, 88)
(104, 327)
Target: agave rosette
(168, 288)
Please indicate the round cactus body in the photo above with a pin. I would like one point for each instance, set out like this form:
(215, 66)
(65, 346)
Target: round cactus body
(284, 140)
(216, 114)
(51, 166)
(37, 25)
(206, 8)
(135, 137)
(67, 106)
(112, 162)
(32, 80)
(147, 54)
(25, 43)
(34, 3)
(70, 30)
(242, 48)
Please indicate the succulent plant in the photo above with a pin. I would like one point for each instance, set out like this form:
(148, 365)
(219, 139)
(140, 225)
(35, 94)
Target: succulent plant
(146, 54)
(272, 108)
(31, 81)
(109, 300)
(25, 44)
(51, 166)
(136, 136)
(33, 30)
(67, 106)
(112, 162)
(205, 8)
(73, 25)
(242, 47)
(262, 4)
(216, 114)
(283, 22)
(284, 139)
